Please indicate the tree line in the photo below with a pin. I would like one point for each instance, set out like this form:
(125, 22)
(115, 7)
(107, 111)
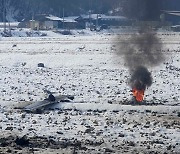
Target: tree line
(136, 9)
(20, 9)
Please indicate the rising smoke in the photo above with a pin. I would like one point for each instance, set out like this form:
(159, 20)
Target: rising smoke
(142, 9)
(143, 49)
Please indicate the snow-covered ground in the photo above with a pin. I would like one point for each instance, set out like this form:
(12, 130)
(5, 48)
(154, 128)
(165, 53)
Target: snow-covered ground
(96, 121)
(27, 32)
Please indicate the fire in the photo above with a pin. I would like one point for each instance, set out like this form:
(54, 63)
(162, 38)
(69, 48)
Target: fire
(138, 94)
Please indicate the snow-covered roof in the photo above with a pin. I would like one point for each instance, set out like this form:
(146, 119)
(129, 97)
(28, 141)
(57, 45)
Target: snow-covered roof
(54, 18)
(103, 16)
(176, 14)
(92, 16)
(176, 26)
(113, 17)
(170, 11)
(70, 19)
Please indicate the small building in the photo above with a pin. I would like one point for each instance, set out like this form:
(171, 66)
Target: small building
(172, 16)
(52, 22)
(103, 20)
(175, 28)
(69, 23)
(41, 22)
(114, 20)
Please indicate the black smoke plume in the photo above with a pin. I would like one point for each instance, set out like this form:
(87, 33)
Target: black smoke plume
(143, 48)
(141, 78)
(141, 51)
(142, 9)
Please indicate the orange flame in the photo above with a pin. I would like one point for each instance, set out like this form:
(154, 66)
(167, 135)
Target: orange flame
(138, 94)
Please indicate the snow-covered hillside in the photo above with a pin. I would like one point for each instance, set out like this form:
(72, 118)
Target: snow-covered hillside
(96, 121)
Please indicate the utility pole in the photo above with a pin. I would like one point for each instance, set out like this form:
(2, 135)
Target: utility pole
(97, 18)
(59, 14)
(90, 19)
(90, 12)
(63, 18)
(4, 14)
(32, 22)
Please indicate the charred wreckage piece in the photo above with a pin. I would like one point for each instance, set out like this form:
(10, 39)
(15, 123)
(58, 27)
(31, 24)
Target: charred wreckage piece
(39, 106)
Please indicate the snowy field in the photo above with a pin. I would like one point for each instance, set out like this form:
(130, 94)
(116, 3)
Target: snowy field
(88, 68)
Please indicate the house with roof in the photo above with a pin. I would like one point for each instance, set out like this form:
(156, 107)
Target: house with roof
(70, 23)
(45, 22)
(114, 20)
(172, 16)
(102, 20)
(41, 22)
(51, 22)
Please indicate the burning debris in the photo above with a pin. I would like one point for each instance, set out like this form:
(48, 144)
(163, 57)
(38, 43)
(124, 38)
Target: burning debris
(140, 79)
